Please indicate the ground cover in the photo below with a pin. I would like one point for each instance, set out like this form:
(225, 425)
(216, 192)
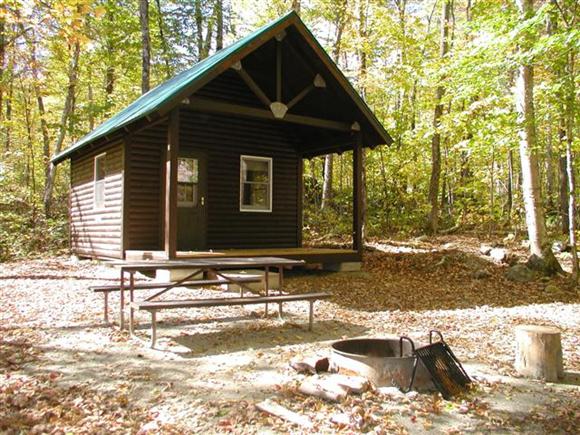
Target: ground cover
(62, 370)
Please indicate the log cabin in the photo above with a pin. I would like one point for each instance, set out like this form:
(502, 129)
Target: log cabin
(210, 162)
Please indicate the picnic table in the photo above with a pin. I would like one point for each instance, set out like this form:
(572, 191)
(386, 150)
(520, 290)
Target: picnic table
(200, 270)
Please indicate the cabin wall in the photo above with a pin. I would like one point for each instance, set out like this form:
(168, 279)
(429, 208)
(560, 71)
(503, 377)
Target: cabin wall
(145, 196)
(223, 139)
(97, 232)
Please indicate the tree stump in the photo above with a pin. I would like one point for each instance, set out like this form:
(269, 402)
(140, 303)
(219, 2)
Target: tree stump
(539, 352)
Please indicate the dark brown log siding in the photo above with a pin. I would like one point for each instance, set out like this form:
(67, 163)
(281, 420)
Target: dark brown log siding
(223, 139)
(96, 232)
(145, 199)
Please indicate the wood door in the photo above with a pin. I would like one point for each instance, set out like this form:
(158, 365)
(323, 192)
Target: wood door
(191, 202)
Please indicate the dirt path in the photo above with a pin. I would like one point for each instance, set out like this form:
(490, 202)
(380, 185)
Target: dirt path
(62, 369)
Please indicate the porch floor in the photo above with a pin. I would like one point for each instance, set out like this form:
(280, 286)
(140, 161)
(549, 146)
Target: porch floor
(309, 255)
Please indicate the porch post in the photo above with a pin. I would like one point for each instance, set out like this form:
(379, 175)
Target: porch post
(170, 221)
(357, 195)
(300, 200)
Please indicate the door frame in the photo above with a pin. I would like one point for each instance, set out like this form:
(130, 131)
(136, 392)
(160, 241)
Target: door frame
(202, 158)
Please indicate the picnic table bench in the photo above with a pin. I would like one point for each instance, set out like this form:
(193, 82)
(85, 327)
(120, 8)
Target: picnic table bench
(106, 289)
(154, 306)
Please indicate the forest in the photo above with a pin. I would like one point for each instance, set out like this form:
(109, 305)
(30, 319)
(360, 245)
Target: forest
(463, 229)
(478, 95)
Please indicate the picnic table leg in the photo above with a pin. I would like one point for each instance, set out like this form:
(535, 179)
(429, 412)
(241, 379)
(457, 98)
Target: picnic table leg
(153, 328)
(106, 313)
(280, 287)
(131, 299)
(267, 287)
(122, 297)
(311, 316)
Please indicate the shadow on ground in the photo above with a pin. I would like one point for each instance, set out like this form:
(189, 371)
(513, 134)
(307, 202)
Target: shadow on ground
(262, 336)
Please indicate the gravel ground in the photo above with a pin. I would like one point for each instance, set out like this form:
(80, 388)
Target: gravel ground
(62, 370)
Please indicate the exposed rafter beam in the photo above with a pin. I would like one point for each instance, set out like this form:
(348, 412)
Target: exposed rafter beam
(318, 82)
(252, 84)
(300, 95)
(208, 105)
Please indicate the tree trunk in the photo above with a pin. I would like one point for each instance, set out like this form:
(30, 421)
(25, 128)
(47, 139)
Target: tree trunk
(363, 34)
(40, 103)
(328, 159)
(510, 186)
(145, 46)
(327, 181)
(110, 71)
(528, 144)
(164, 46)
(199, 29)
(570, 125)
(8, 129)
(296, 6)
(2, 60)
(433, 224)
(563, 191)
(219, 38)
(67, 109)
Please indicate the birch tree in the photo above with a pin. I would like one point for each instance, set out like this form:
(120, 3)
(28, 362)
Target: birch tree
(145, 46)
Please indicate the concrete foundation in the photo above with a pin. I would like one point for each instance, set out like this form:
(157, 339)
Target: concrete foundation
(167, 275)
(353, 266)
(273, 280)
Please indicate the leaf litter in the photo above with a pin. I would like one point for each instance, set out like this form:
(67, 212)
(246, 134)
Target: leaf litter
(63, 371)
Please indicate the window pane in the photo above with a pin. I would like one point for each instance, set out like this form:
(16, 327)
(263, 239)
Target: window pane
(100, 194)
(256, 184)
(256, 196)
(184, 192)
(187, 171)
(255, 170)
(100, 168)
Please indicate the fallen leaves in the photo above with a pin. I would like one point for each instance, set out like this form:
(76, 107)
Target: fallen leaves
(227, 366)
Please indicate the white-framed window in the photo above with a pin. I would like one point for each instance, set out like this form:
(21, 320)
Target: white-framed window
(99, 177)
(255, 184)
(187, 182)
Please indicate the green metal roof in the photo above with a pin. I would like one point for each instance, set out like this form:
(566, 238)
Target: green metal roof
(166, 92)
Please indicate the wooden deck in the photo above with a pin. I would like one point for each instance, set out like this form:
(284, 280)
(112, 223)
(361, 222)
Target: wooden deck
(309, 255)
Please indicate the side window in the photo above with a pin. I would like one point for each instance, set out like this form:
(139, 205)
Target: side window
(255, 184)
(99, 177)
(187, 182)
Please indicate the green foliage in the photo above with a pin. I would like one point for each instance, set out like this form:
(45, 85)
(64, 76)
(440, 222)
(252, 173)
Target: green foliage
(399, 43)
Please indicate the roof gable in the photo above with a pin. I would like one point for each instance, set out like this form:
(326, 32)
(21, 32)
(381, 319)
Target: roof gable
(161, 99)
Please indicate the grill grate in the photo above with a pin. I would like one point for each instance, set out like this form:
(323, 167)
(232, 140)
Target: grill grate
(447, 373)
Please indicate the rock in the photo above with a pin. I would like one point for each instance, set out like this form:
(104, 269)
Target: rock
(412, 395)
(559, 247)
(449, 245)
(509, 238)
(525, 244)
(422, 238)
(551, 288)
(481, 274)
(499, 255)
(547, 264)
(520, 273)
(485, 249)
(392, 392)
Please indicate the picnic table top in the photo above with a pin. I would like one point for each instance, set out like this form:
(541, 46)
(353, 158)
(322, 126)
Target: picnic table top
(207, 263)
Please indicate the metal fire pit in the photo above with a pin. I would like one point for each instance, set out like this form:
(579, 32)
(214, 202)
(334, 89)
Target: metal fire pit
(385, 362)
